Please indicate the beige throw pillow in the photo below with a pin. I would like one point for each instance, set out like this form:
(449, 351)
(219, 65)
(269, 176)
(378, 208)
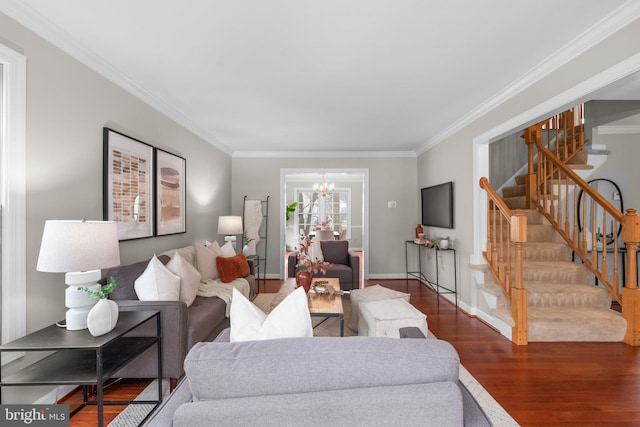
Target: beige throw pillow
(228, 250)
(189, 277)
(206, 260)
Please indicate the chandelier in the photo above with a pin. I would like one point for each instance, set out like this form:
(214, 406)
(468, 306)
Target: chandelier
(324, 189)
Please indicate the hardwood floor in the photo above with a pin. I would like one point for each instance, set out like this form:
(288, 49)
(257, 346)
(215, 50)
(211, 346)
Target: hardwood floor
(550, 384)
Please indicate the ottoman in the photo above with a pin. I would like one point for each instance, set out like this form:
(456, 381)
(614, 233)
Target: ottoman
(385, 318)
(370, 293)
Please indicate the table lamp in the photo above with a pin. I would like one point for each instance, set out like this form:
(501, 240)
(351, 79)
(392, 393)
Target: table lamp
(79, 249)
(230, 226)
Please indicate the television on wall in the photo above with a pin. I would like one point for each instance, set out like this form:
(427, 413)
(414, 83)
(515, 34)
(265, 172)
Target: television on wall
(437, 205)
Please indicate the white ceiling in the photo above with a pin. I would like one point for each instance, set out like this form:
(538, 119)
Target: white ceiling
(331, 75)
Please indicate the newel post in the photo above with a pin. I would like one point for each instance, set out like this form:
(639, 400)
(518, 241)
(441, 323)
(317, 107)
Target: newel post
(630, 292)
(530, 134)
(519, 333)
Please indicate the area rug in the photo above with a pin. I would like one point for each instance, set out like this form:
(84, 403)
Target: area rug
(133, 415)
(330, 327)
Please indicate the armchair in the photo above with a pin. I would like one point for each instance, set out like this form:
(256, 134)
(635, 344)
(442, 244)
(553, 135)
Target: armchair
(346, 264)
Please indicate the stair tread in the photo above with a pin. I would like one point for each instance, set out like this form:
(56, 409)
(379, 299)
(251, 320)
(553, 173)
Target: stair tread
(575, 324)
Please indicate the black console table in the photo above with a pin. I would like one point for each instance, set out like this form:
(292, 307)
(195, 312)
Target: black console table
(79, 358)
(435, 285)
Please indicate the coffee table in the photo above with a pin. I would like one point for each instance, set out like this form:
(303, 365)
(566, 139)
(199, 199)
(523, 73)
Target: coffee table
(319, 305)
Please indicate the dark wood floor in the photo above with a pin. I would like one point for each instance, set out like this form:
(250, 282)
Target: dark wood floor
(582, 384)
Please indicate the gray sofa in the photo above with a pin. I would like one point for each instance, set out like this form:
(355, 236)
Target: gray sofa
(182, 327)
(307, 381)
(346, 264)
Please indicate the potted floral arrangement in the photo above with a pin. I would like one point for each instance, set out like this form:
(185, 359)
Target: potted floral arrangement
(103, 316)
(308, 266)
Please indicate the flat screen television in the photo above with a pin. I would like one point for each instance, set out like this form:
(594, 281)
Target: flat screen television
(437, 205)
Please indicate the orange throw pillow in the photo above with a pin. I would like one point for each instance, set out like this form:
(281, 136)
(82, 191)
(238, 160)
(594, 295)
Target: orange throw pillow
(232, 268)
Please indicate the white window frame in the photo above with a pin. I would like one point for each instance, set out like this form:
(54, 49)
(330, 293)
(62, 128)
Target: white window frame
(13, 196)
(322, 207)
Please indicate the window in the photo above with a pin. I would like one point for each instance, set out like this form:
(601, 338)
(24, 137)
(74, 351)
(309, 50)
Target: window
(313, 209)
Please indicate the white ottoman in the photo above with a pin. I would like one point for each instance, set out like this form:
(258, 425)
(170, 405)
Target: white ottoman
(385, 318)
(368, 294)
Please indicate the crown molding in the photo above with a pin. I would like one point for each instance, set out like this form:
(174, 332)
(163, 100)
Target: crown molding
(618, 129)
(323, 154)
(53, 34)
(602, 29)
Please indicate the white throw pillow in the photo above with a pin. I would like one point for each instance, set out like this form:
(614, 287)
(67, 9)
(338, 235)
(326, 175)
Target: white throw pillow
(228, 250)
(290, 318)
(206, 260)
(189, 277)
(157, 283)
(315, 250)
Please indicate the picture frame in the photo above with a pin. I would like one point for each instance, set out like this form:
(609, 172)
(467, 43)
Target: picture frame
(171, 177)
(128, 185)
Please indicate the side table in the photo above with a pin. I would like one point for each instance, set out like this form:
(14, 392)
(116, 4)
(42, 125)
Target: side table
(79, 358)
(435, 285)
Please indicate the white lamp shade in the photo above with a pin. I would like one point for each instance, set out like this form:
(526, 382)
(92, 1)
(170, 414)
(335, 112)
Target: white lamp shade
(69, 246)
(230, 225)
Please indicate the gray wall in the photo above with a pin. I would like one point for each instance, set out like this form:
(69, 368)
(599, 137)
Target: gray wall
(621, 165)
(390, 179)
(67, 106)
(506, 157)
(601, 112)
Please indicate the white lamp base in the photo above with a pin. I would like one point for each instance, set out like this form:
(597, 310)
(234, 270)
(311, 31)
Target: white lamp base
(79, 303)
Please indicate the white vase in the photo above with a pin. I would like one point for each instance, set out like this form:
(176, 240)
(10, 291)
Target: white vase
(246, 250)
(102, 317)
(444, 244)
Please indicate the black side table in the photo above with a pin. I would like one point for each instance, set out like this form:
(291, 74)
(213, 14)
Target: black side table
(79, 358)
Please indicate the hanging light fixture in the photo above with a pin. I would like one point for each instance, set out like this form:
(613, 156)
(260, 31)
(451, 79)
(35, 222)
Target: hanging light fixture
(324, 189)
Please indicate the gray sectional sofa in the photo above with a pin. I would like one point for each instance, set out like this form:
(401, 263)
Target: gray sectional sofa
(322, 381)
(182, 327)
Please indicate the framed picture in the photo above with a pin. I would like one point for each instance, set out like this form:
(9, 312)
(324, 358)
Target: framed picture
(170, 193)
(128, 185)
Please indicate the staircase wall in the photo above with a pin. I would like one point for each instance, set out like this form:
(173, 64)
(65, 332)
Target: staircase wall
(506, 157)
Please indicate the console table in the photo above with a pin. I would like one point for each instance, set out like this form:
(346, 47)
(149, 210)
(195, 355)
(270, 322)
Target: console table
(79, 358)
(435, 285)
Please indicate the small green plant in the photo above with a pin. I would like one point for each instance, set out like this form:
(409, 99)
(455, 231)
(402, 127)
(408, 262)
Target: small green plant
(291, 209)
(246, 241)
(103, 292)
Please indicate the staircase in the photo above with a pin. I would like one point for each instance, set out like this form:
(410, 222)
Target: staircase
(533, 235)
(563, 304)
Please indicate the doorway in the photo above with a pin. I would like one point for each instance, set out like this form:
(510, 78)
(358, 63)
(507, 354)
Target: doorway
(347, 210)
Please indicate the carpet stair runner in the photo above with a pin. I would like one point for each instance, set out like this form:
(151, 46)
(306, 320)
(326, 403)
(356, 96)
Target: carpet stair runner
(563, 303)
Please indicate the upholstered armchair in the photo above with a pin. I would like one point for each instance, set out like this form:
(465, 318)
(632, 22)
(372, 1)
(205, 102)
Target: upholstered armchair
(346, 264)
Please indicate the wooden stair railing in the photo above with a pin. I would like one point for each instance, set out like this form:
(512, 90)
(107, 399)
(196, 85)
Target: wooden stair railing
(504, 229)
(552, 188)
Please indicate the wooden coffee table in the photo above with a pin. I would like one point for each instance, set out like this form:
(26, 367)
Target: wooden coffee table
(319, 305)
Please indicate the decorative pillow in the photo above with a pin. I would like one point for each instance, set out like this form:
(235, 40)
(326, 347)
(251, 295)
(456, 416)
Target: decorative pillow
(232, 267)
(206, 260)
(157, 283)
(228, 249)
(290, 318)
(189, 277)
(315, 250)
